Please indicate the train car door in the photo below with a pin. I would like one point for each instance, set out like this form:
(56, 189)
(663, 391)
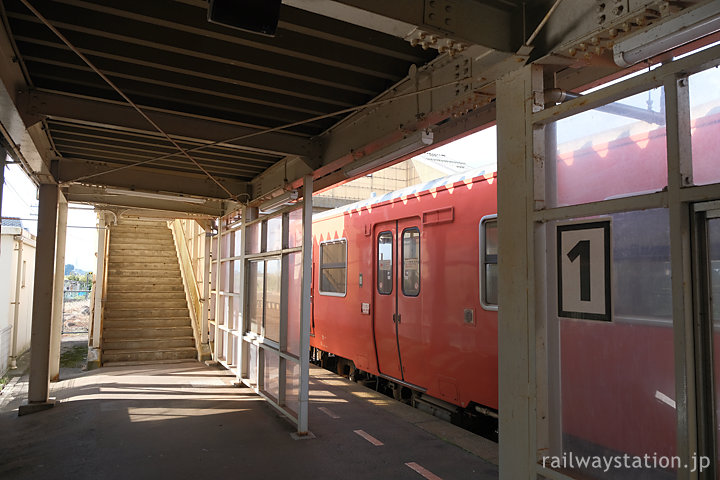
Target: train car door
(409, 303)
(397, 313)
(385, 309)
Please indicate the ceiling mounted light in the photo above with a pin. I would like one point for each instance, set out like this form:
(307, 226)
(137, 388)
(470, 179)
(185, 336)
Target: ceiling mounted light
(408, 145)
(154, 196)
(674, 33)
(279, 201)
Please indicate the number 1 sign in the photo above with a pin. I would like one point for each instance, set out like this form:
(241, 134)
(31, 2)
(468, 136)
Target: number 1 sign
(583, 262)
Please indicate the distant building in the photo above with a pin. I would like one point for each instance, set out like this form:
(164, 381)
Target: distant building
(420, 169)
(17, 261)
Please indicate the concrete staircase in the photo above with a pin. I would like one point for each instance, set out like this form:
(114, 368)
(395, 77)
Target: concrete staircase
(146, 317)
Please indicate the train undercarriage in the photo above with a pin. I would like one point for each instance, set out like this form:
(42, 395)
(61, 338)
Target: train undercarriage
(476, 418)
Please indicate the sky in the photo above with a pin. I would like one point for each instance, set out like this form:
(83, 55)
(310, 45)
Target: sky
(20, 200)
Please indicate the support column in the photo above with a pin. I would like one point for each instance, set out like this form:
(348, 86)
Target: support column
(94, 352)
(305, 306)
(516, 332)
(38, 390)
(204, 337)
(58, 293)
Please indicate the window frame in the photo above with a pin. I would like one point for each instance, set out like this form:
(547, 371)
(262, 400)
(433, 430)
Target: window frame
(401, 280)
(392, 263)
(484, 261)
(344, 242)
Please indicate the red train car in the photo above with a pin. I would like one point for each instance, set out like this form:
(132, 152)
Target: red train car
(397, 293)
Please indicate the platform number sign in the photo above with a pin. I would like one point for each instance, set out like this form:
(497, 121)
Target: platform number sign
(583, 262)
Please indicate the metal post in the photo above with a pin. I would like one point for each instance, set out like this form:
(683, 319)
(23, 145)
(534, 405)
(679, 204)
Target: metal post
(99, 281)
(16, 309)
(58, 293)
(248, 214)
(218, 297)
(516, 341)
(677, 106)
(3, 156)
(39, 387)
(305, 306)
(206, 285)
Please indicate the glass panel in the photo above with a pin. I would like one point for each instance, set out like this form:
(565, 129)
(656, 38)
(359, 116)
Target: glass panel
(332, 280)
(411, 262)
(491, 237)
(491, 284)
(271, 371)
(234, 341)
(292, 386)
(617, 378)
(272, 300)
(295, 226)
(237, 244)
(255, 295)
(385, 263)
(252, 363)
(274, 234)
(253, 233)
(333, 265)
(226, 317)
(226, 242)
(705, 116)
(236, 318)
(294, 302)
(614, 150)
(714, 255)
(222, 349)
(236, 276)
(224, 276)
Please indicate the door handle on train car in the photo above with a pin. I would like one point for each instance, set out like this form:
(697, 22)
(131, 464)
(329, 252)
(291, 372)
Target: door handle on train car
(396, 318)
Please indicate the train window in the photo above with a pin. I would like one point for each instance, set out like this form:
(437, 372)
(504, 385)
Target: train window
(333, 268)
(385, 263)
(411, 262)
(488, 262)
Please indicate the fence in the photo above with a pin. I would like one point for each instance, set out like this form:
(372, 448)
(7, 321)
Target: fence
(76, 307)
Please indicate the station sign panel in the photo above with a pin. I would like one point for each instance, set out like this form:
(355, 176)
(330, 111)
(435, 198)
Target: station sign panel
(583, 264)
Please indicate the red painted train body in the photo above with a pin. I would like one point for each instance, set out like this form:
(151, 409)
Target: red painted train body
(429, 326)
(407, 306)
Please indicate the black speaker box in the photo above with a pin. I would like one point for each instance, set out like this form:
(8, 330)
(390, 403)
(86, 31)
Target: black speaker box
(257, 16)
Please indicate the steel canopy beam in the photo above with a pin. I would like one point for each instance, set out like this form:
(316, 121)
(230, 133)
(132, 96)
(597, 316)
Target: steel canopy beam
(148, 179)
(98, 196)
(42, 104)
(467, 21)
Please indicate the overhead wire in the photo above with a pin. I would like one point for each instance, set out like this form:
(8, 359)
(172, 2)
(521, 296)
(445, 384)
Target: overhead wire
(276, 129)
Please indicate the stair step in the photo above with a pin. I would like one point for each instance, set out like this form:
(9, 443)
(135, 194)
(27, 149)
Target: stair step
(171, 285)
(126, 250)
(132, 258)
(115, 304)
(158, 281)
(148, 322)
(148, 362)
(144, 272)
(129, 222)
(174, 353)
(141, 266)
(121, 295)
(140, 234)
(146, 312)
(147, 332)
(145, 344)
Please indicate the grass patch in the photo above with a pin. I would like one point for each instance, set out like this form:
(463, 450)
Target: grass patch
(3, 381)
(74, 357)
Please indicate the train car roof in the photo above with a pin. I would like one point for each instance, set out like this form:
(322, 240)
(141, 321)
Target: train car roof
(404, 192)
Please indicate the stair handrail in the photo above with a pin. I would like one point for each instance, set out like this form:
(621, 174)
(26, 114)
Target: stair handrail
(192, 291)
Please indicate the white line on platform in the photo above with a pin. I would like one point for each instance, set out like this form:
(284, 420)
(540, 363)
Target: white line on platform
(327, 412)
(369, 437)
(423, 471)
